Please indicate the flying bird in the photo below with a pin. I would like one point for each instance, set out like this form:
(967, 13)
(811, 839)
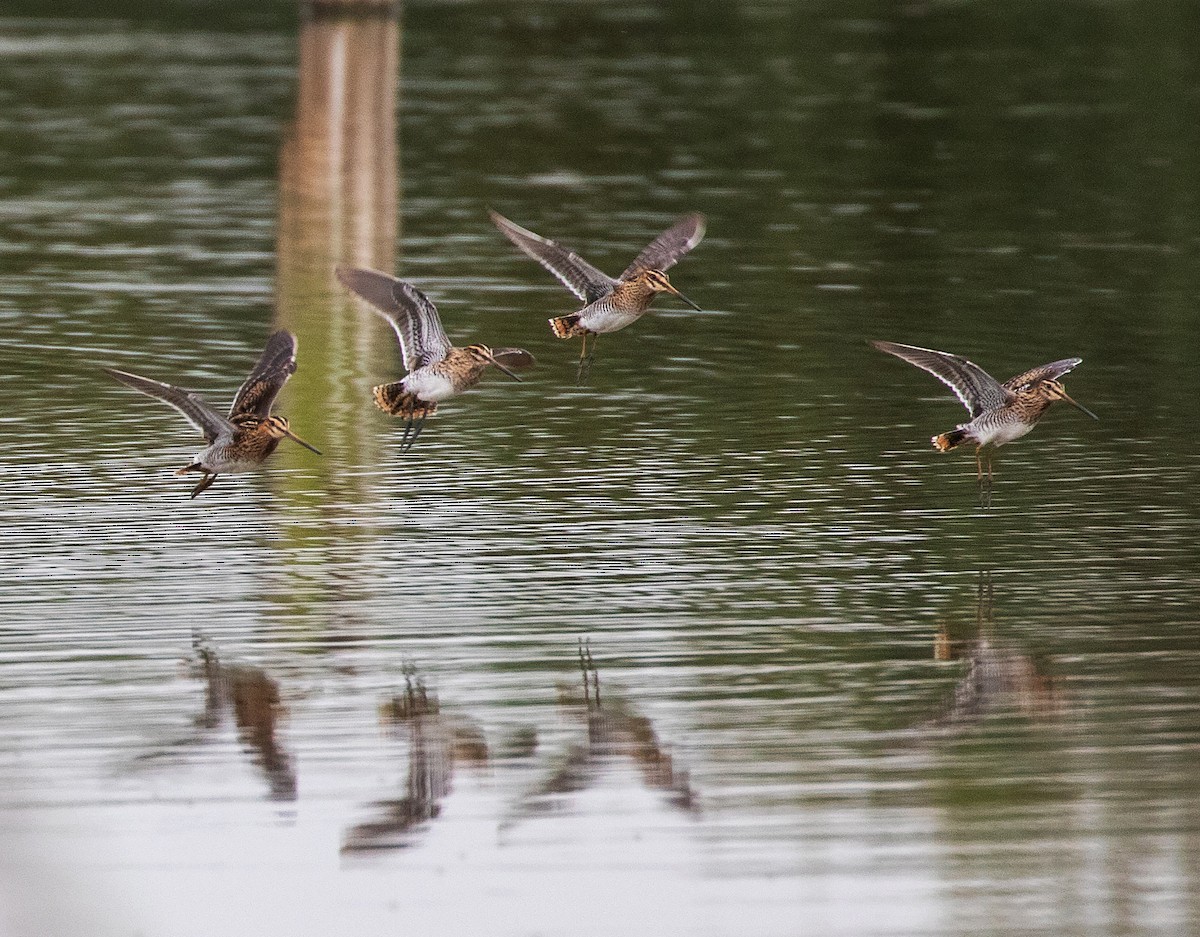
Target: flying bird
(436, 369)
(241, 441)
(611, 304)
(999, 412)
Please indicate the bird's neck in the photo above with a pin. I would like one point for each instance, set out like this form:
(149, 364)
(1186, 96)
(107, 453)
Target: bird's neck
(1033, 403)
(636, 292)
(465, 367)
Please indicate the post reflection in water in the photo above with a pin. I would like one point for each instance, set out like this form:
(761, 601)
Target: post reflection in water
(252, 697)
(1000, 677)
(338, 203)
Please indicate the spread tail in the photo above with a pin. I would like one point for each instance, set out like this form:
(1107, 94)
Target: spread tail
(395, 400)
(947, 441)
(567, 326)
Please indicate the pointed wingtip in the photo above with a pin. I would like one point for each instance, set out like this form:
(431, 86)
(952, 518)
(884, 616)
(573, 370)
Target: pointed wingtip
(121, 377)
(374, 286)
(128, 378)
(505, 225)
(346, 274)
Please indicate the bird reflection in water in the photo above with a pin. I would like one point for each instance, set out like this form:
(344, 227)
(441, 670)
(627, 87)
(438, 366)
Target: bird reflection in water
(252, 697)
(616, 733)
(999, 678)
(438, 742)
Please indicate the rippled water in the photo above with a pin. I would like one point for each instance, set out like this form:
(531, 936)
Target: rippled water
(825, 692)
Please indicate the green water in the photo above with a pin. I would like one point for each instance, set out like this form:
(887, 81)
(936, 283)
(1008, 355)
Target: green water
(836, 696)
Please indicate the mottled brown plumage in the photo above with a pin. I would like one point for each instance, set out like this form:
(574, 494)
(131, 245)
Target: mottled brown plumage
(612, 304)
(999, 412)
(437, 369)
(243, 440)
(462, 367)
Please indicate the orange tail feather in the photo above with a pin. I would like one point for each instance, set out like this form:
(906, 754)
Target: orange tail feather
(947, 441)
(395, 400)
(567, 326)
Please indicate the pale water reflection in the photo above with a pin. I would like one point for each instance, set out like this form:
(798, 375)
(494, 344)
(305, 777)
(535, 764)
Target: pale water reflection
(617, 736)
(248, 695)
(740, 514)
(439, 743)
(1000, 677)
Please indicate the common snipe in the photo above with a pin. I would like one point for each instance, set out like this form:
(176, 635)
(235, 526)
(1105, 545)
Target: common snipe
(611, 304)
(241, 441)
(999, 412)
(436, 369)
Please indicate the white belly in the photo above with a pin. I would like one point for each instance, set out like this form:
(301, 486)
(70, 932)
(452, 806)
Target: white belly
(997, 434)
(212, 460)
(429, 385)
(606, 320)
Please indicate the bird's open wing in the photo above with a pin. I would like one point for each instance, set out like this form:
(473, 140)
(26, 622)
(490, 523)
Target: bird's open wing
(576, 274)
(977, 389)
(1047, 372)
(275, 365)
(207, 420)
(413, 316)
(666, 249)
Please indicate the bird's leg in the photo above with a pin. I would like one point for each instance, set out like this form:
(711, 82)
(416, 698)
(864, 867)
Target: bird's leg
(987, 503)
(585, 360)
(985, 494)
(204, 483)
(416, 426)
(408, 425)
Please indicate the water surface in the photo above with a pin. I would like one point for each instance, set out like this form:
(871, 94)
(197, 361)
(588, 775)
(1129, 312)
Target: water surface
(835, 697)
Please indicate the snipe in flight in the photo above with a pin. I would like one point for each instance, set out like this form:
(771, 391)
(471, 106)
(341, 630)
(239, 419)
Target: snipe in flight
(436, 369)
(999, 412)
(611, 304)
(244, 439)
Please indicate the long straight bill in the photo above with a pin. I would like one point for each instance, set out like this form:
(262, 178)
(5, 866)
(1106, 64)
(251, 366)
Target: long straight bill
(1078, 406)
(675, 292)
(502, 368)
(292, 436)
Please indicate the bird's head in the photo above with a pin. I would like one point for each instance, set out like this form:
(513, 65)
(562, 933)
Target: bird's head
(484, 355)
(657, 282)
(1054, 390)
(277, 428)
